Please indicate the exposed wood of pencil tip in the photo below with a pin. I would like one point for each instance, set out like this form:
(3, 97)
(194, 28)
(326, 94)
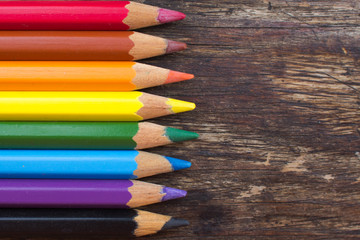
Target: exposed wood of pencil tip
(145, 42)
(151, 164)
(154, 76)
(144, 194)
(149, 223)
(149, 15)
(147, 46)
(153, 106)
(150, 135)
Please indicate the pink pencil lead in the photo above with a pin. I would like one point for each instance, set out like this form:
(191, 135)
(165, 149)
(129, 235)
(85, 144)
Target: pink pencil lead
(166, 16)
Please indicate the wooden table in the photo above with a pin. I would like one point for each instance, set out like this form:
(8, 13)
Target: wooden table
(278, 93)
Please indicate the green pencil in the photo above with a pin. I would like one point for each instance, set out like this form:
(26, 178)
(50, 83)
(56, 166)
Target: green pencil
(88, 135)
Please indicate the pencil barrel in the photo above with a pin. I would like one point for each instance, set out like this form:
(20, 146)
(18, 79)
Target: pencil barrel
(62, 15)
(67, 135)
(63, 222)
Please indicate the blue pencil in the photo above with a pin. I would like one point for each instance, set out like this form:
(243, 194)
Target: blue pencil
(85, 164)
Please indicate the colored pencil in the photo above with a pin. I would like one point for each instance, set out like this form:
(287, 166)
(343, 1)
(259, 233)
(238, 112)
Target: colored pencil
(60, 193)
(88, 135)
(87, 106)
(82, 15)
(83, 76)
(83, 46)
(84, 164)
(25, 223)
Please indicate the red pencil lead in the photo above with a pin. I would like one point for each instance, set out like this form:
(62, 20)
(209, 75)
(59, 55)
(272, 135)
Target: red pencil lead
(166, 16)
(174, 46)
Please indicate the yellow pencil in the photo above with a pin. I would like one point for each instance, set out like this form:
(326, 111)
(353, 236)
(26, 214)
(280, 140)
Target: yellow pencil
(87, 106)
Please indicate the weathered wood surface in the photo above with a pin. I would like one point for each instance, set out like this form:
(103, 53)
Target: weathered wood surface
(278, 96)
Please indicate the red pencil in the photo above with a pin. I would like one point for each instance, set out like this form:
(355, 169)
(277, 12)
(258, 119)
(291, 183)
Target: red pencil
(82, 15)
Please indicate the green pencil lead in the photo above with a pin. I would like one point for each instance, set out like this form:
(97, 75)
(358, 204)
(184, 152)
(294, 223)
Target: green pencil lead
(178, 135)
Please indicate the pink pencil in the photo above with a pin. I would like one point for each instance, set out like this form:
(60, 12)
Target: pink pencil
(82, 15)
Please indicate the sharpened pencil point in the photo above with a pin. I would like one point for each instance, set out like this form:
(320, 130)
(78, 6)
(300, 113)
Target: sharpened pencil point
(175, 222)
(178, 135)
(166, 16)
(178, 106)
(178, 164)
(174, 46)
(178, 77)
(172, 193)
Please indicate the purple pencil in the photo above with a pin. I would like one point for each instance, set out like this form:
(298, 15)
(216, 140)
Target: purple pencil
(36, 193)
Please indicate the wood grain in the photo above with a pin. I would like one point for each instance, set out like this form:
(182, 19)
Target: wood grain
(278, 93)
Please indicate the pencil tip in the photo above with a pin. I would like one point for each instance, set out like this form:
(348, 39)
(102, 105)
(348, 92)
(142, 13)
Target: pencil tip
(178, 106)
(172, 193)
(178, 135)
(178, 164)
(174, 223)
(166, 15)
(175, 76)
(174, 46)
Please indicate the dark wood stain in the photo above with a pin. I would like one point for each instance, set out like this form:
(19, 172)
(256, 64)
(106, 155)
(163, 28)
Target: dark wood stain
(278, 93)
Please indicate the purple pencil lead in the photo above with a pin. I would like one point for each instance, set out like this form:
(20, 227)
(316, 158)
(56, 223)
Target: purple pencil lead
(172, 193)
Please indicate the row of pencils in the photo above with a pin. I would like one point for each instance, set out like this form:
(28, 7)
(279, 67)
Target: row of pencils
(70, 130)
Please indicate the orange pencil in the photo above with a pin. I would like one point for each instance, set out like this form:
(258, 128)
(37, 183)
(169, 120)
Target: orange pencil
(83, 76)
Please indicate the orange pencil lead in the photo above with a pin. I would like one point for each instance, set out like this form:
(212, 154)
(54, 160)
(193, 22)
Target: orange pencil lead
(175, 76)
